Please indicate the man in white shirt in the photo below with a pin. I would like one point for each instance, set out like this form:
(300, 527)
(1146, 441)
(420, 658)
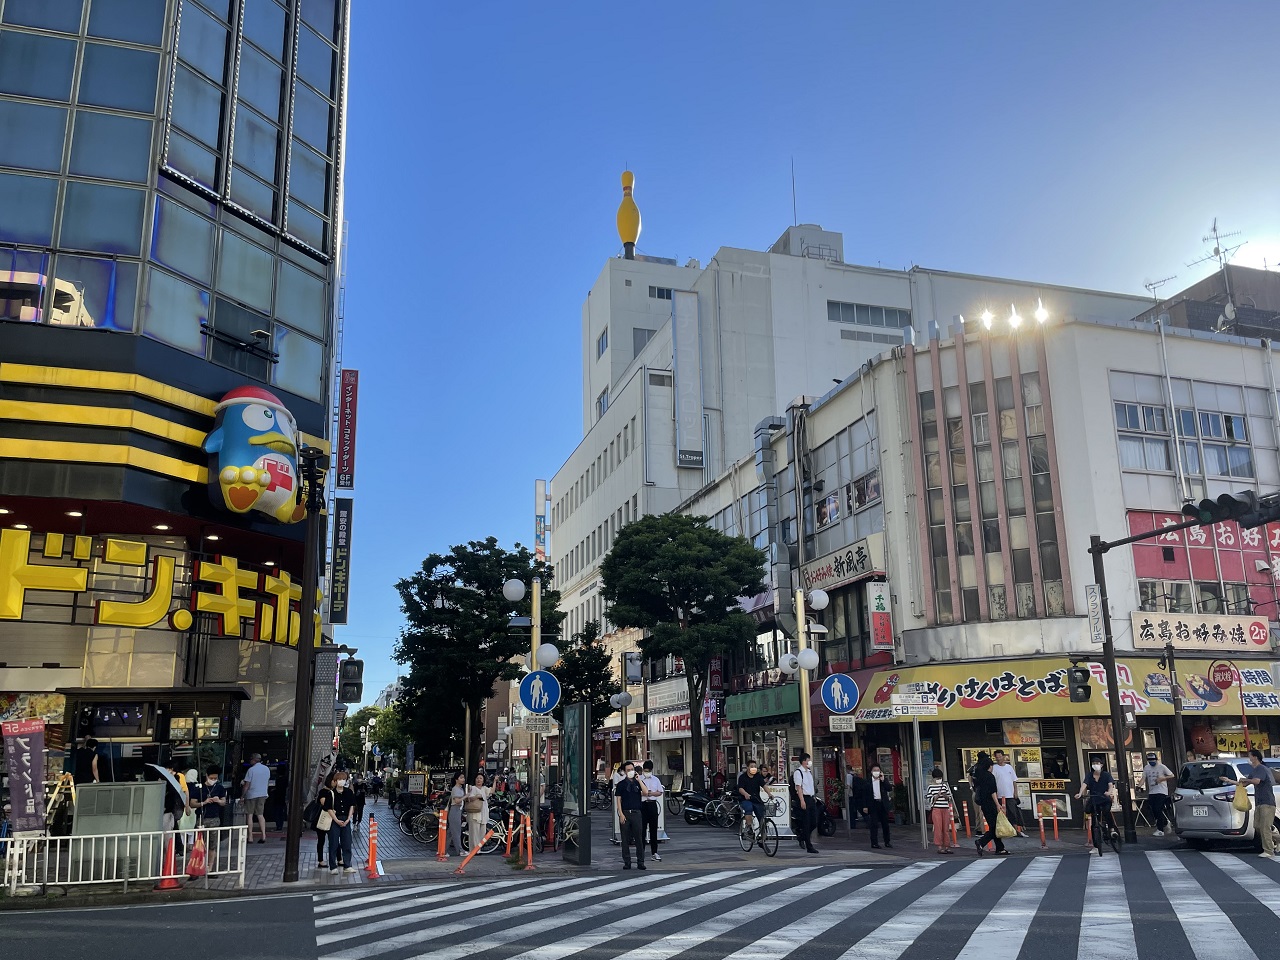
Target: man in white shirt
(1007, 789)
(1157, 777)
(254, 791)
(651, 790)
(806, 811)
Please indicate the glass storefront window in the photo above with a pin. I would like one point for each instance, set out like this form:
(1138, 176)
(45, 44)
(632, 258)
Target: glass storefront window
(245, 272)
(312, 118)
(309, 178)
(99, 217)
(235, 321)
(261, 83)
(119, 77)
(94, 292)
(316, 62)
(134, 21)
(28, 204)
(24, 275)
(300, 299)
(35, 66)
(112, 147)
(202, 42)
(31, 135)
(264, 22)
(301, 368)
(182, 240)
(173, 310)
(60, 15)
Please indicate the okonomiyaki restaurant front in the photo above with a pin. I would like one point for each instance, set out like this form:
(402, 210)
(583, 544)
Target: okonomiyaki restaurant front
(1024, 708)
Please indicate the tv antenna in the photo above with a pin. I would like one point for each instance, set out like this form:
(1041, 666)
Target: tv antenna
(1222, 256)
(1154, 285)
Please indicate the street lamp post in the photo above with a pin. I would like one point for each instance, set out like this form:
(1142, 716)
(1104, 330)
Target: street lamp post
(807, 659)
(314, 462)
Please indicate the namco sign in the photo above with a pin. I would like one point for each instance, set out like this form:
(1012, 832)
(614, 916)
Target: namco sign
(668, 726)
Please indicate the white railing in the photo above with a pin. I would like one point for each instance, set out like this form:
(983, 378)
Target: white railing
(120, 858)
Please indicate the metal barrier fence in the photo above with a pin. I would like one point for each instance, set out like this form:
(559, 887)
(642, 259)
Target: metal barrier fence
(120, 858)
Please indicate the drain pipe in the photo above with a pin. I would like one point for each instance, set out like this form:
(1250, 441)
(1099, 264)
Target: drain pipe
(1270, 364)
(1183, 488)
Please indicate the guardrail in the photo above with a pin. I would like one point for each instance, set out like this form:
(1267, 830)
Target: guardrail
(120, 858)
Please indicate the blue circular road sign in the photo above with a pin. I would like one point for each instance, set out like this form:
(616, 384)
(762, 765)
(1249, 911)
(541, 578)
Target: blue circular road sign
(540, 691)
(839, 693)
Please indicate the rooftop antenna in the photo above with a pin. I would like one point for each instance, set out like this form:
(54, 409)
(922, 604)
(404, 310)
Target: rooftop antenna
(1221, 256)
(795, 220)
(1154, 285)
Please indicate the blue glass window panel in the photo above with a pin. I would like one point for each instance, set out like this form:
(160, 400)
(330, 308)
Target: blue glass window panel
(34, 66)
(119, 77)
(110, 146)
(187, 197)
(28, 204)
(312, 118)
(321, 14)
(252, 194)
(31, 135)
(202, 42)
(135, 21)
(61, 15)
(257, 145)
(309, 178)
(301, 367)
(301, 299)
(173, 310)
(315, 61)
(261, 83)
(182, 240)
(197, 106)
(264, 22)
(187, 156)
(245, 272)
(94, 292)
(306, 226)
(24, 276)
(100, 217)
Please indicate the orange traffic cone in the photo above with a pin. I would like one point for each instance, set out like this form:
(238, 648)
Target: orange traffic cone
(168, 881)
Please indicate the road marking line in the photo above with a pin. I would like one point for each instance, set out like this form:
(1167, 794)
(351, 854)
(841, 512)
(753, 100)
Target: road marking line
(438, 891)
(1209, 931)
(1001, 934)
(1106, 928)
(1254, 882)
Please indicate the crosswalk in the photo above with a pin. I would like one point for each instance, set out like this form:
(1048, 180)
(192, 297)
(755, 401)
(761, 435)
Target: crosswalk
(1165, 905)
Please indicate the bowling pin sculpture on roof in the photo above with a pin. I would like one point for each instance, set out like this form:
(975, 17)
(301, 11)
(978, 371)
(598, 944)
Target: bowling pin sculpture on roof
(628, 217)
(253, 456)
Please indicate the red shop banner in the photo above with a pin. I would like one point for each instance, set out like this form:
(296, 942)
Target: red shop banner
(345, 464)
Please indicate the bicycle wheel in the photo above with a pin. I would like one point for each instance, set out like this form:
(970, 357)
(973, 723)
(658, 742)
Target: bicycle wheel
(770, 838)
(426, 827)
(675, 805)
(498, 839)
(1115, 840)
(746, 836)
(538, 842)
(405, 821)
(712, 812)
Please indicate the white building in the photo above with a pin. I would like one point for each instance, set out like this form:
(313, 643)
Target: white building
(390, 694)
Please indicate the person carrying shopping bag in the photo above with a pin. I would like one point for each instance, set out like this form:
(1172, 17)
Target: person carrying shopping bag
(475, 806)
(941, 804)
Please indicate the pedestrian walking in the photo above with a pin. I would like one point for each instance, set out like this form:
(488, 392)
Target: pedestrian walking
(361, 792)
(807, 813)
(941, 804)
(1007, 790)
(628, 799)
(344, 803)
(324, 819)
(854, 785)
(475, 807)
(651, 791)
(984, 787)
(457, 794)
(1264, 801)
(877, 798)
(253, 790)
(1157, 777)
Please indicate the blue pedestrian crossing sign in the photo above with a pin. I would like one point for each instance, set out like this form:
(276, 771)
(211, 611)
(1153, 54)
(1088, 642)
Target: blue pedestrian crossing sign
(540, 691)
(377, 750)
(839, 693)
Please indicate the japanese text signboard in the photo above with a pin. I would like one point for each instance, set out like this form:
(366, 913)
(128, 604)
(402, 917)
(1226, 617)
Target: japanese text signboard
(854, 562)
(346, 446)
(1200, 631)
(24, 761)
(340, 584)
(881, 619)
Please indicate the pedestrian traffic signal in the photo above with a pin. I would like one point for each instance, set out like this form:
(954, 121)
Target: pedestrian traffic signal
(350, 680)
(1244, 508)
(1078, 684)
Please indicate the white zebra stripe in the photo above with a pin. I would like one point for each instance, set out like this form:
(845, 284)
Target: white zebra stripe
(437, 892)
(1002, 932)
(1254, 882)
(1106, 929)
(1210, 932)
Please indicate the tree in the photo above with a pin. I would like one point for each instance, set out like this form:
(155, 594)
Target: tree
(350, 743)
(458, 641)
(585, 674)
(391, 733)
(680, 580)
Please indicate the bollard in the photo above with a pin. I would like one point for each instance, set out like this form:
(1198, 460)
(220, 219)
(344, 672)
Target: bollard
(955, 838)
(372, 873)
(551, 829)
(528, 840)
(511, 826)
(467, 858)
(1043, 844)
(1055, 823)
(967, 833)
(168, 882)
(441, 838)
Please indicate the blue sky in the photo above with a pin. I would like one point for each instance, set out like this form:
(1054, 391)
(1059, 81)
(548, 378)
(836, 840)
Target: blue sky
(1089, 144)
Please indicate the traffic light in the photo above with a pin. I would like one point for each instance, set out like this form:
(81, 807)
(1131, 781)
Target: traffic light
(350, 680)
(1078, 684)
(1244, 508)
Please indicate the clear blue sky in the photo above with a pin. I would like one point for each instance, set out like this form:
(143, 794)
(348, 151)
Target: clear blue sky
(1091, 144)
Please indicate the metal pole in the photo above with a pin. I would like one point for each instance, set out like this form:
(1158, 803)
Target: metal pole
(1179, 741)
(918, 770)
(802, 634)
(314, 462)
(1122, 775)
(535, 634)
(466, 739)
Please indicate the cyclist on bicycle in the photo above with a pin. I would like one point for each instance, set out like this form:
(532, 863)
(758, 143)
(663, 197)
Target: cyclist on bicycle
(1100, 788)
(751, 790)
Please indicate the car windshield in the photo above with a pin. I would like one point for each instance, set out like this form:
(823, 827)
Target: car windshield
(1208, 773)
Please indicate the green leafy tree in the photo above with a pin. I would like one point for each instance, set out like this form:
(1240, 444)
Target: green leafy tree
(350, 743)
(391, 733)
(458, 642)
(680, 580)
(585, 674)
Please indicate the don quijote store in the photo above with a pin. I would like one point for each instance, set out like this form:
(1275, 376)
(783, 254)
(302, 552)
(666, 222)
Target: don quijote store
(151, 549)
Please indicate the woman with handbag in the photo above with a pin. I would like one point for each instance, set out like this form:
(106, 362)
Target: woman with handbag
(475, 805)
(456, 796)
(324, 819)
(344, 805)
(984, 792)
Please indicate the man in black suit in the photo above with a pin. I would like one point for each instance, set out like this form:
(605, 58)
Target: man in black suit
(877, 799)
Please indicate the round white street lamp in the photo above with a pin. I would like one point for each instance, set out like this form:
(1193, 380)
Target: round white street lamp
(788, 663)
(818, 599)
(808, 659)
(513, 590)
(548, 655)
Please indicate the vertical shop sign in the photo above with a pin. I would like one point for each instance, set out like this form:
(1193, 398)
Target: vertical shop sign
(881, 621)
(24, 761)
(715, 677)
(350, 390)
(340, 585)
(540, 500)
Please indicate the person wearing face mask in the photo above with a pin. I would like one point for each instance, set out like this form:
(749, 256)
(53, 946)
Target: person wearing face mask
(344, 805)
(209, 797)
(806, 810)
(876, 798)
(628, 801)
(985, 793)
(1157, 777)
(941, 805)
(1100, 787)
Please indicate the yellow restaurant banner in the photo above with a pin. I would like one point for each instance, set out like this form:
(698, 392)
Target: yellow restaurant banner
(1038, 688)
